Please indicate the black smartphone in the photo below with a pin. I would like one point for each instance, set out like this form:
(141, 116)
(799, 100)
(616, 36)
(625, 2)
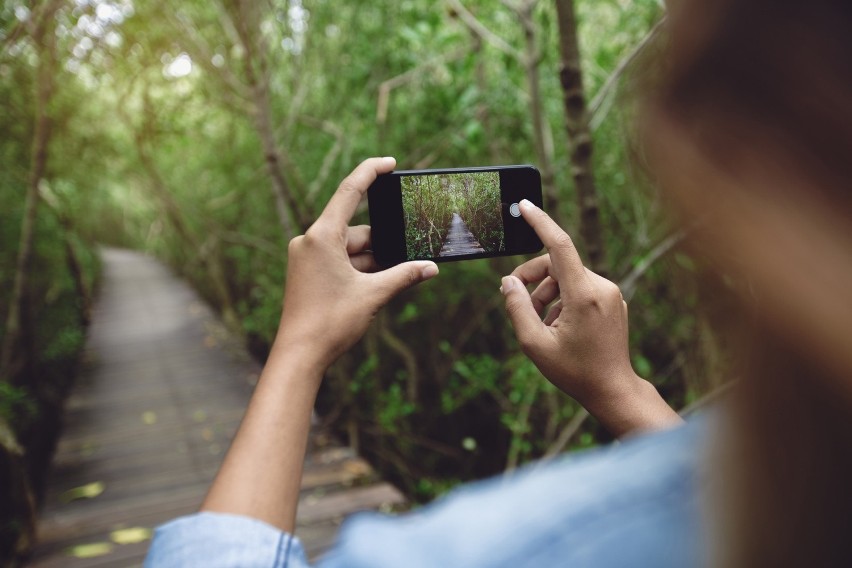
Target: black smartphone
(452, 214)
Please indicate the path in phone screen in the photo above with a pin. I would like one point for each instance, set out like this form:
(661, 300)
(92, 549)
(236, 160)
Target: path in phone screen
(460, 240)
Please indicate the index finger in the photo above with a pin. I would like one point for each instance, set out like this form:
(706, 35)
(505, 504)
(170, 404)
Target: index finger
(341, 207)
(566, 263)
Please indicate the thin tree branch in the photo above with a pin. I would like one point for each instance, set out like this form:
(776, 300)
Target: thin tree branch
(628, 283)
(328, 160)
(566, 435)
(444, 449)
(524, 419)
(201, 54)
(415, 72)
(256, 243)
(432, 157)
(12, 37)
(483, 32)
(597, 111)
(407, 355)
(52, 202)
(294, 107)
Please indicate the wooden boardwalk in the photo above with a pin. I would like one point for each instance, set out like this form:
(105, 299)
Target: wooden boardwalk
(460, 240)
(162, 390)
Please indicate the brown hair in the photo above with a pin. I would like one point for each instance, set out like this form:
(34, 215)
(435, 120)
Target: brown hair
(774, 71)
(771, 82)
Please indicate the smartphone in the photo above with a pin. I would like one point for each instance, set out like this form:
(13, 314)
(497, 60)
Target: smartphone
(452, 214)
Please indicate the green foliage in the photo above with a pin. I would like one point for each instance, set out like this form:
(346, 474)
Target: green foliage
(393, 406)
(473, 375)
(428, 210)
(62, 269)
(173, 164)
(16, 404)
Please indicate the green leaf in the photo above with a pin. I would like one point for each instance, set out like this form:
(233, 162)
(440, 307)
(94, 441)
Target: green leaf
(88, 491)
(130, 535)
(643, 366)
(90, 550)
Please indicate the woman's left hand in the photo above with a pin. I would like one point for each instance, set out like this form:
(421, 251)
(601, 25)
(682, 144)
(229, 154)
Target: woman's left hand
(333, 288)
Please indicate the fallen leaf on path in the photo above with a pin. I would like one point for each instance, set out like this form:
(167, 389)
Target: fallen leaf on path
(131, 535)
(88, 491)
(90, 550)
(357, 468)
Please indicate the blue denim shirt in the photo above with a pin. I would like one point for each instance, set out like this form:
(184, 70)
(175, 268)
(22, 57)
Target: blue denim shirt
(631, 504)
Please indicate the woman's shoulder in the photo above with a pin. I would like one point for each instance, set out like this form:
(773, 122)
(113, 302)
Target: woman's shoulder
(634, 503)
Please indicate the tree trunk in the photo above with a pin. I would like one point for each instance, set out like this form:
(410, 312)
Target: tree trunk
(75, 269)
(284, 202)
(289, 209)
(15, 488)
(18, 500)
(44, 42)
(580, 139)
(483, 114)
(544, 152)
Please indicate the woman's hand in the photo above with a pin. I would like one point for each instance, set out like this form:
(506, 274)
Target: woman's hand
(581, 345)
(332, 291)
(329, 301)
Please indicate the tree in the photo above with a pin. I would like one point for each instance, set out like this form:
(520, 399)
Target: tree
(580, 139)
(530, 60)
(240, 21)
(15, 489)
(40, 28)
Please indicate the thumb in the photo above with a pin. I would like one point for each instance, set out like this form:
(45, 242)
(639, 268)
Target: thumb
(519, 306)
(394, 280)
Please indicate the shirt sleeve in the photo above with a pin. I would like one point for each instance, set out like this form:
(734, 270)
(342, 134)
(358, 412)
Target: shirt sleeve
(217, 540)
(636, 504)
(633, 504)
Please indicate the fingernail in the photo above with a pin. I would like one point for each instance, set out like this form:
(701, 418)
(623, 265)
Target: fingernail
(527, 204)
(389, 158)
(429, 271)
(507, 284)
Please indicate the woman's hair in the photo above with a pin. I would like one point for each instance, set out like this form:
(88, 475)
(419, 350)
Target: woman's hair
(777, 73)
(770, 82)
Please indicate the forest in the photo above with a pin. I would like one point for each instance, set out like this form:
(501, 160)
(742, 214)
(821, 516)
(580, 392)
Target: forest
(208, 134)
(428, 204)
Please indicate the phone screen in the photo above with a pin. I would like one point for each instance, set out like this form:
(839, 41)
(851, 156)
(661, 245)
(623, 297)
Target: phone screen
(452, 214)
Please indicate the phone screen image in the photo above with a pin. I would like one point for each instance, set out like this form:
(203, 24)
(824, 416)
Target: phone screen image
(452, 214)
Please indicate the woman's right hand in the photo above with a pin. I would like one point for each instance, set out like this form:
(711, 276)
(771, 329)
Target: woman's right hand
(581, 345)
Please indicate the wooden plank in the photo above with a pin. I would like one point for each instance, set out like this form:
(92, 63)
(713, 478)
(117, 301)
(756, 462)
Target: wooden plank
(314, 508)
(160, 396)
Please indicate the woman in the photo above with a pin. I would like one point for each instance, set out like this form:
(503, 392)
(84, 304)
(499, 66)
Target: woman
(749, 132)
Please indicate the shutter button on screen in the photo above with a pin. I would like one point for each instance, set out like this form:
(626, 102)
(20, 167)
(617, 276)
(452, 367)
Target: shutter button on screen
(514, 210)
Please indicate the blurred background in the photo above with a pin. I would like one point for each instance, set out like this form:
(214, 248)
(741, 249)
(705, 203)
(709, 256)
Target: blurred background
(209, 133)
